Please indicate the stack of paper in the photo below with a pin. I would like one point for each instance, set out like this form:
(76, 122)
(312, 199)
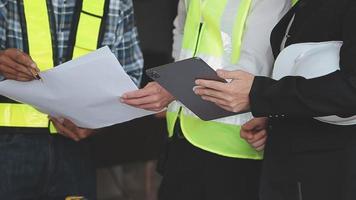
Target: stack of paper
(85, 90)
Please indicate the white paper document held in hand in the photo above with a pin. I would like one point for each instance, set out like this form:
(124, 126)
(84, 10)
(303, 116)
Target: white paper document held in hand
(85, 90)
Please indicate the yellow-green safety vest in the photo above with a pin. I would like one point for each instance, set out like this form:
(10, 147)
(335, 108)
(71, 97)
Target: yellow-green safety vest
(204, 37)
(38, 43)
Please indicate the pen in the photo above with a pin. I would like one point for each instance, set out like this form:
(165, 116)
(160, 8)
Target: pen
(35, 74)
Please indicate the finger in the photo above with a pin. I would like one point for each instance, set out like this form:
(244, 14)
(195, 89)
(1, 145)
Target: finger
(136, 94)
(260, 148)
(17, 78)
(229, 74)
(228, 108)
(9, 76)
(216, 85)
(246, 135)
(251, 125)
(58, 128)
(23, 79)
(81, 133)
(33, 64)
(73, 128)
(197, 87)
(151, 99)
(210, 92)
(256, 124)
(258, 136)
(21, 58)
(151, 88)
(69, 124)
(16, 62)
(67, 132)
(84, 133)
(161, 115)
(259, 143)
(23, 76)
(215, 100)
(13, 71)
(152, 107)
(19, 67)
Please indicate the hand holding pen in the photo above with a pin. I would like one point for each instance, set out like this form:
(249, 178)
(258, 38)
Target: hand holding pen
(17, 65)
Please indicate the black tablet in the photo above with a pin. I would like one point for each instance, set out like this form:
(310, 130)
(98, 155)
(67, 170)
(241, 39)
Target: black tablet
(179, 79)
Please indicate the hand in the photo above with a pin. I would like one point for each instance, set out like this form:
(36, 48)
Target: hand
(232, 96)
(16, 65)
(152, 97)
(254, 132)
(68, 129)
(161, 115)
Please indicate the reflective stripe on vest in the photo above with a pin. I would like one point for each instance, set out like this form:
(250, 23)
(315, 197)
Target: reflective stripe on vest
(90, 19)
(41, 50)
(39, 42)
(214, 31)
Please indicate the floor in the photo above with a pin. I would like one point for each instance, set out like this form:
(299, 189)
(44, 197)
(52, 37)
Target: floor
(133, 181)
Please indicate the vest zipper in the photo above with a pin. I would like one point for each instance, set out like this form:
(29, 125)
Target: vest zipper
(195, 53)
(179, 111)
(198, 39)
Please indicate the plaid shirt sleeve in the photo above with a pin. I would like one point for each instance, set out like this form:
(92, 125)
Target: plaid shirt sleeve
(2, 24)
(122, 38)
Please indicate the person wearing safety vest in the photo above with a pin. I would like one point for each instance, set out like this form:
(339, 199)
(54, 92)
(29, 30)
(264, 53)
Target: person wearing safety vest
(42, 158)
(208, 159)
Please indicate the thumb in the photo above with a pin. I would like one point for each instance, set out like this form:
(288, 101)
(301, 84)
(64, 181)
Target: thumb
(226, 74)
(251, 125)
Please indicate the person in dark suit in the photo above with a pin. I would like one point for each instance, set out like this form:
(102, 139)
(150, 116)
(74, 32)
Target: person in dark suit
(305, 159)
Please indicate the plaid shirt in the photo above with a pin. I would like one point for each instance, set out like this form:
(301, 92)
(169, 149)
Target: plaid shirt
(120, 31)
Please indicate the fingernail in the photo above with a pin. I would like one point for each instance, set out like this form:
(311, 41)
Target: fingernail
(121, 100)
(194, 88)
(34, 66)
(197, 82)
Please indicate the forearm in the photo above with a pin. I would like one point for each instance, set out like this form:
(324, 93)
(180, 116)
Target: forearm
(333, 94)
(3, 25)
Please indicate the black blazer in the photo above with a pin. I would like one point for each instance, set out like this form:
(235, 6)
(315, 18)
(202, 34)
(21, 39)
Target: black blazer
(315, 21)
(304, 158)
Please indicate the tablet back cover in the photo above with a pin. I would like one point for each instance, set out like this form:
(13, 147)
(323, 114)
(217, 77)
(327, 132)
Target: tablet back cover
(179, 79)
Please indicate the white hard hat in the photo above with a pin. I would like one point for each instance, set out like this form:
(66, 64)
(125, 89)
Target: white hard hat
(311, 60)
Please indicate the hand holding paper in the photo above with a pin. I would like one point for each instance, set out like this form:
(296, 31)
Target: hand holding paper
(153, 97)
(85, 90)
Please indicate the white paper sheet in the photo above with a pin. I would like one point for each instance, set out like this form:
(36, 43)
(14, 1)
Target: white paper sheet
(85, 90)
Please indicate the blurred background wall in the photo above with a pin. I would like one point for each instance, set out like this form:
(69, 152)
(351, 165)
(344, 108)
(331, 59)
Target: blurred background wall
(125, 154)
